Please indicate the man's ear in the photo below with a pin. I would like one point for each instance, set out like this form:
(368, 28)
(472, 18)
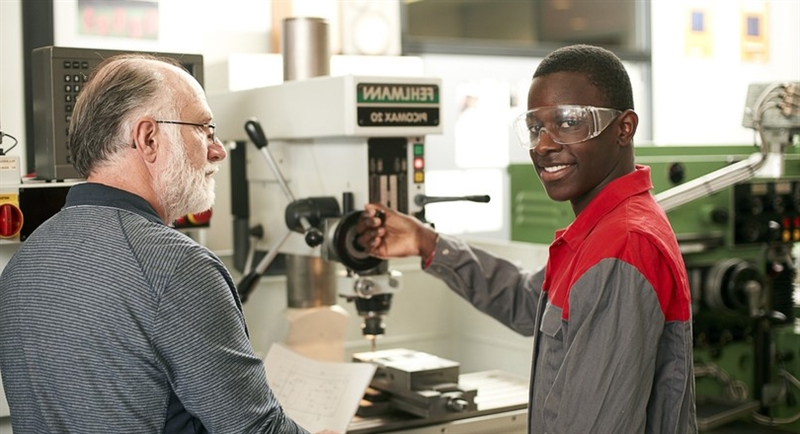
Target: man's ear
(628, 121)
(144, 139)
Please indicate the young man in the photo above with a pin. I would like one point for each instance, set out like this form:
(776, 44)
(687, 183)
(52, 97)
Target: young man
(111, 321)
(611, 311)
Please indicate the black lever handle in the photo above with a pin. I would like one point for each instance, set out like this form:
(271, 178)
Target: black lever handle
(247, 285)
(423, 200)
(256, 133)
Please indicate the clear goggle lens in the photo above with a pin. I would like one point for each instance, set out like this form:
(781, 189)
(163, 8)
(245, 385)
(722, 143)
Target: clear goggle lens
(564, 124)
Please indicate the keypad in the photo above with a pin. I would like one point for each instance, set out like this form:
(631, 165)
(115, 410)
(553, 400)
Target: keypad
(75, 73)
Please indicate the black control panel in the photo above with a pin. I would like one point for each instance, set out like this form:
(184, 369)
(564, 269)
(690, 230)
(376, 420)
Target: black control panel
(767, 212)
(58, 76)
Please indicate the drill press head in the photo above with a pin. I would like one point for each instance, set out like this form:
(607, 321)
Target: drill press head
(369, 282)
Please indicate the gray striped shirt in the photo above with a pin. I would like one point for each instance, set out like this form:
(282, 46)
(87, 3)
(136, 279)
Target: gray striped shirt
(110, 321)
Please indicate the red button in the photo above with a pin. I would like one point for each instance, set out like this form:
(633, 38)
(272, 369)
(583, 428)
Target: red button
(200, 218)
(10, 220)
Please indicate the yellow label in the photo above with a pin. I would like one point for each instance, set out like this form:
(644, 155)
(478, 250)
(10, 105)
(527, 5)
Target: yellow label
(9, 197)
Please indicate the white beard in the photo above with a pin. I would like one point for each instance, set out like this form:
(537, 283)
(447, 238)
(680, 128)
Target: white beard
(181, 188)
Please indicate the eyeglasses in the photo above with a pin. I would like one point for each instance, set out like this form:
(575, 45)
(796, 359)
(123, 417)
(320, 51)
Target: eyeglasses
(213, 127)
(564, 124)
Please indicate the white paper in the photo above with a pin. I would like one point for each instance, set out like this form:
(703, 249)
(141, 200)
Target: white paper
(317, 395)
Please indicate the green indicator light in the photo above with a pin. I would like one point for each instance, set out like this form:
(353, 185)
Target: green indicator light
(418, 149)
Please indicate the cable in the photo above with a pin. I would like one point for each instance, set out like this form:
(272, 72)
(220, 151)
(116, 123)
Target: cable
(2, 134)
(734, 389)
(777, 96)
(771, 421)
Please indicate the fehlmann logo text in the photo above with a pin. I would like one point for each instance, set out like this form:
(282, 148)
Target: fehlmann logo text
(401, 93)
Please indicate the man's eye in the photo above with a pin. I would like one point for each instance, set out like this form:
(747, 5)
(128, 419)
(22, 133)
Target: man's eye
(566, 124)
(535, 128)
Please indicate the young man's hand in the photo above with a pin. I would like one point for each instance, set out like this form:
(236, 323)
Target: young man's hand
(386, 233)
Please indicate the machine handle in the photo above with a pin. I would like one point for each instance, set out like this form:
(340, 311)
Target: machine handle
(256, 133)
(313, 237)
(245, 287)
(423, 200)
(249, 282)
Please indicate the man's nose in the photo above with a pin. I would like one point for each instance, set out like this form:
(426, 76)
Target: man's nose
(546, 143)
(216, 152)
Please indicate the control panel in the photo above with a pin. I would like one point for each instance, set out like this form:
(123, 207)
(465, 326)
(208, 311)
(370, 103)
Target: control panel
(767, 211)
(391, 181)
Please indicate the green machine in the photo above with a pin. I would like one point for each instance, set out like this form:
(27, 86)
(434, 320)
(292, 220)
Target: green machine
(736, 213)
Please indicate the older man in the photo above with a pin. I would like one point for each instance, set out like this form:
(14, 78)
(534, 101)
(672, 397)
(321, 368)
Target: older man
(111, 321)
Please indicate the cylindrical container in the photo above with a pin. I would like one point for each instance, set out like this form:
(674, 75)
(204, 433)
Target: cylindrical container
(311, 281)
(306, 48)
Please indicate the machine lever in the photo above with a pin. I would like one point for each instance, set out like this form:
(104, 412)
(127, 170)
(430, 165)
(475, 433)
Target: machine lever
(256, 233)
(298, 214)
(423, 200)
(256, 134)
(249, 282)
(313, 236)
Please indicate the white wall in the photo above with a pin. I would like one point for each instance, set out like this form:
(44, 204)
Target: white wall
(700, 100)
(204, 26)
(12, 102)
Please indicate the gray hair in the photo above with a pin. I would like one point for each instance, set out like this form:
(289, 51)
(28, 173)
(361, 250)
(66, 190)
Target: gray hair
(120, 90)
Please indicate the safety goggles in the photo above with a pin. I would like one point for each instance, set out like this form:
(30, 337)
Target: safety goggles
(564, 124)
